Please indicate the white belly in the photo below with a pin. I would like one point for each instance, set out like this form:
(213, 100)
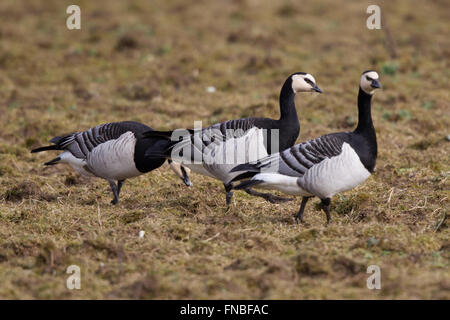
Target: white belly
(114, 159)
(77, 164)
(276, 181)
(198, 168)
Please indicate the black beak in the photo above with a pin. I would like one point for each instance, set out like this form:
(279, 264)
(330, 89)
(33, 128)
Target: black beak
(186, 179)
(187, 182)
(317, 89)
(375, 84)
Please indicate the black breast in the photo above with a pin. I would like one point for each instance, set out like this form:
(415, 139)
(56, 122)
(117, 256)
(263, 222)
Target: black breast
(146, 164)
(366, 149)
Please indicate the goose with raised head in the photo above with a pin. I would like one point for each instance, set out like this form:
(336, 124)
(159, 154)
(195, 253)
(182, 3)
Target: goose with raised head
(324, 166)
(112, 151)
(207, 151)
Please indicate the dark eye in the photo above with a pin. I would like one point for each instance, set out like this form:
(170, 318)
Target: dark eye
(309, 82)
(369, 78)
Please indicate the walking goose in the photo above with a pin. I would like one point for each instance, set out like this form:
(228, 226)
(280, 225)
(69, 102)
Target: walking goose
(324, 166)
(112, 151)
(253, 132)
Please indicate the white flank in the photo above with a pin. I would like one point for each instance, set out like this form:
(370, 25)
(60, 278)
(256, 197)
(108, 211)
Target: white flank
(114, 159)
(324, 180)
(333, 175)
(222, 157)
(218, 158)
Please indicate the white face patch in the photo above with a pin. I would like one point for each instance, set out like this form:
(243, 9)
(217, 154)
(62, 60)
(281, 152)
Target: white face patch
(366, 84)
(299, 84)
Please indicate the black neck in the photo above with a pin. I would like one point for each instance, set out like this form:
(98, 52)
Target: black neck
(365, 124)
(365, 139)
(288, 123)
(287, 103)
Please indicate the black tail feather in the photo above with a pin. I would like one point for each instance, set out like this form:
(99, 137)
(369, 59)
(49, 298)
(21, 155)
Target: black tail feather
(246, 167)
(46, 148)
(163, 134)
(245, 175)
(58, 139)
(247, 184)
(157, 134)
(52, 162)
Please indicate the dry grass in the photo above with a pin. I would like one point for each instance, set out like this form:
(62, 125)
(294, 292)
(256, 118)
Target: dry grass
(151, 61)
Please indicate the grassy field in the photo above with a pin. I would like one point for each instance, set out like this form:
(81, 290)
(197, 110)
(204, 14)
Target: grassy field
(152, 61)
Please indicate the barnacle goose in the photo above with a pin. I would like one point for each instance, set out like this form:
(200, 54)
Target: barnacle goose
(213, 143)
(112, 151)
(324, 166)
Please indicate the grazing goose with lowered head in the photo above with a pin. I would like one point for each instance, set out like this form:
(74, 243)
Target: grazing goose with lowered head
(203, 151)
(112, 151)
(324, 166)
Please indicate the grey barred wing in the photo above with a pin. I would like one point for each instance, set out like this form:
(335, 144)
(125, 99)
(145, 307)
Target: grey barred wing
(231, 129)
(239, 125)
(297, 160)
(215, 134)
(80, 144)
